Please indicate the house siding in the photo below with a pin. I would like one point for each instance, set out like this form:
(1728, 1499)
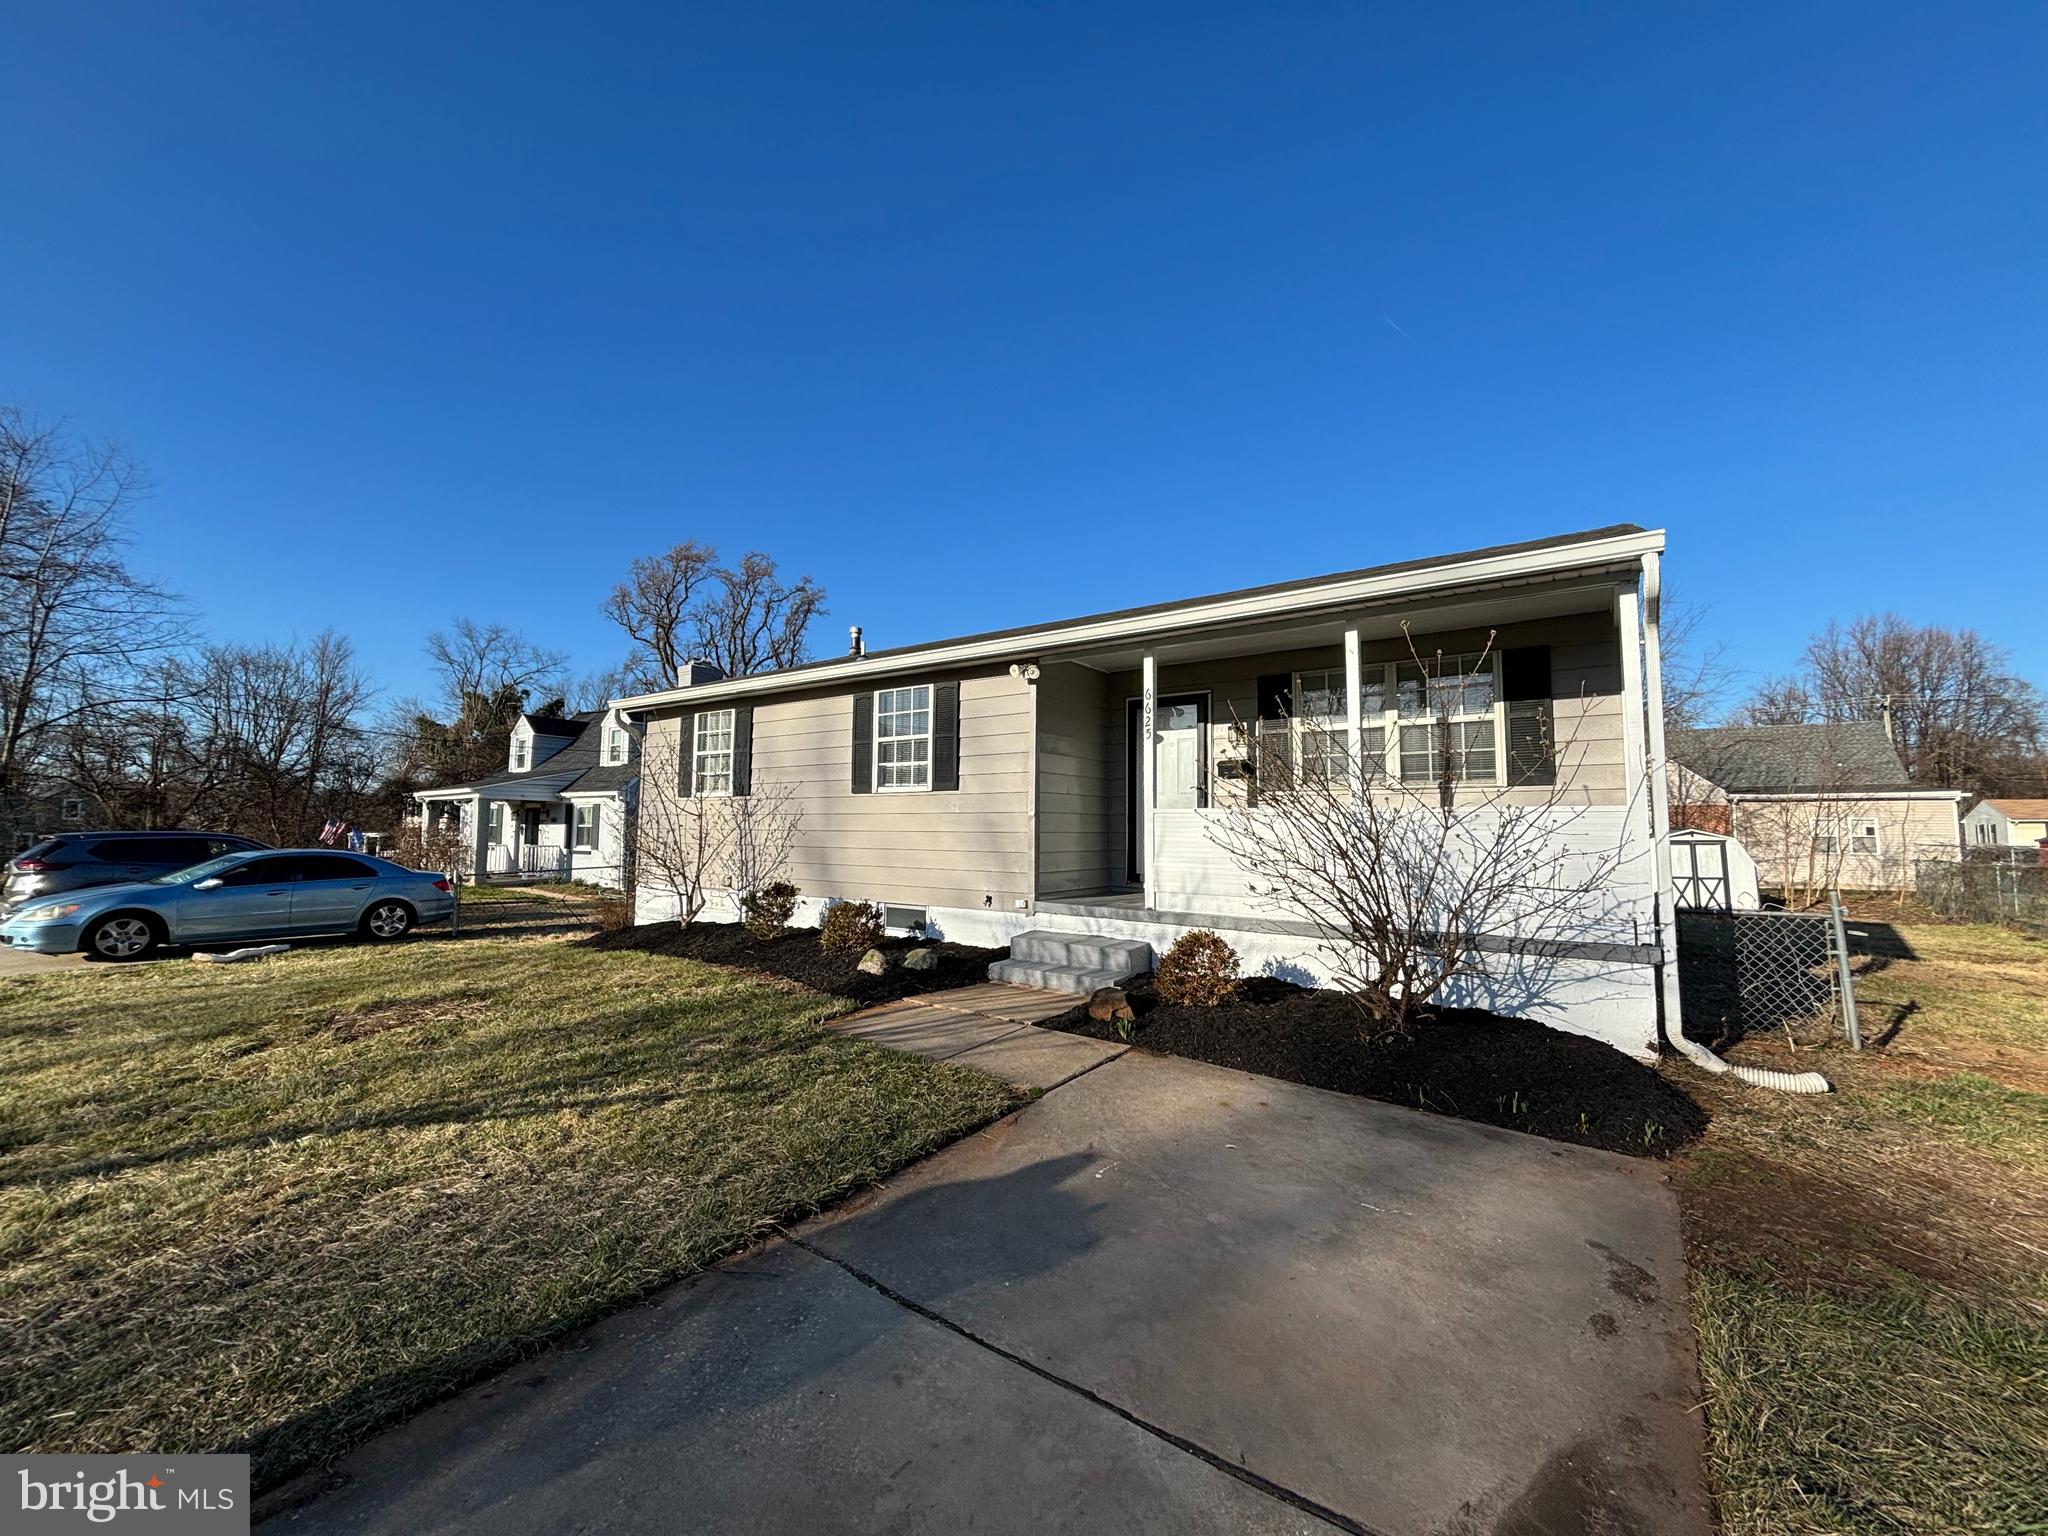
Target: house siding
(1779, 836)
(968, 847)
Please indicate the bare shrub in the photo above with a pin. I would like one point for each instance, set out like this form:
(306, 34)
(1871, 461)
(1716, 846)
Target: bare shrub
(769, 909)
(1199, 971)
(1413, 883)
(613, 913)
(444, 850)
(850, 926)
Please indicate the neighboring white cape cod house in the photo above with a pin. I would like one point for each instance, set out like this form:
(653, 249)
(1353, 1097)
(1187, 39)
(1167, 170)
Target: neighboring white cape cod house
(1065, 776)
(560, 809)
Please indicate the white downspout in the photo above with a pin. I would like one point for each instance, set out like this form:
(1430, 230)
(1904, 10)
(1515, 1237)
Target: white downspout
(1660, 828)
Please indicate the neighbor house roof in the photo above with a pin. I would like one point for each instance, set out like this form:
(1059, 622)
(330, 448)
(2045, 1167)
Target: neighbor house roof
(1619, 544)
(2019, 810)
(578, 769)
(1793, 759)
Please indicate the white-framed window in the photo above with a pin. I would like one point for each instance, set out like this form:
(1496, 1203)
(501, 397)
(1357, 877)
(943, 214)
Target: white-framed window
(586, 825)
(497, 821)
(74, 808)
(711, 753)
(520, 750)
(1833, 834)
(615, 745)
(903, 738)
(1461, 690)
(1320, 726)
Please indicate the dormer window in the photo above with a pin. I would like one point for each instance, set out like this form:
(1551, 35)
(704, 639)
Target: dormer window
(520, 749)
(615, 745)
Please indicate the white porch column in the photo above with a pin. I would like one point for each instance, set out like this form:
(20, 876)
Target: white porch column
(1353, 712)
(1148, 768)
(1657, 767)
(480, 838)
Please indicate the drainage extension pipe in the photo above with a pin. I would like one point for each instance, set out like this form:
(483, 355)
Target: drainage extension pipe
(1759, 1077)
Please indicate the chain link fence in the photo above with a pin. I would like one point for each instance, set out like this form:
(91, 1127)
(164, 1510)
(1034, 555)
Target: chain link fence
(1777, 972)
(1984, 892)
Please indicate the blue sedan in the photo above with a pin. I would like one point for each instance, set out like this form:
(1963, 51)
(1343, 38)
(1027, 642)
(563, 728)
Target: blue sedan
(267, 895)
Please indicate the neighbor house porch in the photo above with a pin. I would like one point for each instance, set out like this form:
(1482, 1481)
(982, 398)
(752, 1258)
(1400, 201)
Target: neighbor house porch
(528, 830)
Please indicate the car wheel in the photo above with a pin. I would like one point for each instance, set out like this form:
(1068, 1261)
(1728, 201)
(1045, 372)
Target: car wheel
(124, 936)
(388, 920)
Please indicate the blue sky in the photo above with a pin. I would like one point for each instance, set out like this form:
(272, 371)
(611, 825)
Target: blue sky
(985, 314)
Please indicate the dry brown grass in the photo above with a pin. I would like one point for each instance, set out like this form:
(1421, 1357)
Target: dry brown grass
(271, 1207)
(1871, 1269)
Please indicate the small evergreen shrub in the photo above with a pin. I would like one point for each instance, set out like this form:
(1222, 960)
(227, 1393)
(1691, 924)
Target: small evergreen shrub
(769, 909)
(850, 926)
(1200, 971)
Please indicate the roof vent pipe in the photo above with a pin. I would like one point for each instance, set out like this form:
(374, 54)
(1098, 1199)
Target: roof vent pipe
(855, 648)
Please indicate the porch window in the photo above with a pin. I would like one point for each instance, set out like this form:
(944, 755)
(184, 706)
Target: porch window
(711, 761)
(1462, 690)
(1320, 748)
(586, 826)
(497, 821)
(903, 738)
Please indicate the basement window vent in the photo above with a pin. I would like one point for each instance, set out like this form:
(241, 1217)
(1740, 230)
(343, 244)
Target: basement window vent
(904, 919)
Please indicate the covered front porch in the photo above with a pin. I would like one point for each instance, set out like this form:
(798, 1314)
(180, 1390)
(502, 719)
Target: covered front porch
(1142, 747)
(527, 834)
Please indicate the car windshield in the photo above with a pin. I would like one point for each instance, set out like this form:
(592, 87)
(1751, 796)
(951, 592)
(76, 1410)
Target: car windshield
(199, 872)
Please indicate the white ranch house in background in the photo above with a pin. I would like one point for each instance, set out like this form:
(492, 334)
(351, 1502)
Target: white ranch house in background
(1066, 777)
(559, 810)
(1818, 805)
(2006, 823)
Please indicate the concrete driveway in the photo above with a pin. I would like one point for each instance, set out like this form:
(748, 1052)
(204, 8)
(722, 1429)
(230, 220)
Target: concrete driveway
(1165, 1297)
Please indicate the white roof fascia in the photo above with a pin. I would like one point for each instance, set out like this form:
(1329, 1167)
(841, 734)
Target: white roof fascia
(1197, 613)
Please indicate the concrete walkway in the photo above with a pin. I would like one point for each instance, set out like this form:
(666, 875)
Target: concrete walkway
(990, 1026)
(1162, 1298)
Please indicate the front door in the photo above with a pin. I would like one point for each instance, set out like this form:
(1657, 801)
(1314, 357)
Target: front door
(1180, 746)
(529, 826)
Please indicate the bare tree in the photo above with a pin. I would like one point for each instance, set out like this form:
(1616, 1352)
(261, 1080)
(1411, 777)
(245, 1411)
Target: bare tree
(1412, 884)
(754, 623)
(706, 846)
(483, 660)
(1958, 715)
(76, 625)
(656, 605)
(1694, 666)
(1777, 701)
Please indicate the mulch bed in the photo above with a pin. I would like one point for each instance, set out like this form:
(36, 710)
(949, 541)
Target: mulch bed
(794, 955)
(1461, 1062)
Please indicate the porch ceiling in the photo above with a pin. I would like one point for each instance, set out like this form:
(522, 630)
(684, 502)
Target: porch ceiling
(1505, 605)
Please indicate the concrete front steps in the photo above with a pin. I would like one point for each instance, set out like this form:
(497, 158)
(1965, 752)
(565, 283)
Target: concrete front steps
(1071, 962)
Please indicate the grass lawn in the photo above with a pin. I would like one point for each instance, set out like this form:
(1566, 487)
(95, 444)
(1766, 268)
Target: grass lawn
(271, 1207)
(1870, 1270)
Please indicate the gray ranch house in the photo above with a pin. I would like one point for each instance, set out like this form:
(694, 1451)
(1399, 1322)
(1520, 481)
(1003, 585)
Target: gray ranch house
(559, 811)
(1059, 784)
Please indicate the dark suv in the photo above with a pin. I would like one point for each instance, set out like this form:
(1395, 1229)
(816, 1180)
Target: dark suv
(71, 861)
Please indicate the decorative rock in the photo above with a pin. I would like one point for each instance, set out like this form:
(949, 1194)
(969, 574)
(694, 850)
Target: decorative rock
(1108, 1005)
(873, 963)
(921, 960)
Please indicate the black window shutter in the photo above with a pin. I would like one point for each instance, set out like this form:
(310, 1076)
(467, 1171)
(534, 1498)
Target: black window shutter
(1276, 696)
(945, 736)
(1525, 687)
(686, 764)
(743, 749)
(863, 743)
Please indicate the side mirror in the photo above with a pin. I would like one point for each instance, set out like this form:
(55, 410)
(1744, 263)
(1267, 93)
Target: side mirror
(212, 883)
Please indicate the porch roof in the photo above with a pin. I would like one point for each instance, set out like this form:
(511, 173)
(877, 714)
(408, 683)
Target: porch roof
(546, 787)
(1600, 551)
